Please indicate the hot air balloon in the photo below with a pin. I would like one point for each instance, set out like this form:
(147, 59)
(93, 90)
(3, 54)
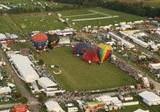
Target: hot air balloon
(39, 41)
(53, 40)
(104, 52)
(81, 48)
(90, 56)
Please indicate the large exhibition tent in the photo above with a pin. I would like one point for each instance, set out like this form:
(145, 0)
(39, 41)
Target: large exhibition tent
(24, 67)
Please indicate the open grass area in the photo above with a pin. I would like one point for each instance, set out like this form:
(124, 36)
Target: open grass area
(79, 75)
(4, 26)
(101, 12)
(45, 22)
(37, 22)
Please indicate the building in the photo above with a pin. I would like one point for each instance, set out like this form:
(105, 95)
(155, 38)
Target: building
(108, 100)
(125, 43)
(150, 98)
(19, 108)
(155, 66)
(47, 84)
(140, 110)
(2, 36)
(145, 81)
(5, 90)
(53, 106)
(24, 68)
(64, 41)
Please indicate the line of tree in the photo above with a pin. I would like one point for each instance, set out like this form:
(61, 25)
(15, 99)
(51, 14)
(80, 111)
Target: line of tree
(134, 8)
(21, 10)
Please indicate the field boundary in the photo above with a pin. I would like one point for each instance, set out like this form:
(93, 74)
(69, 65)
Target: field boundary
(81, 15)
(85, 19)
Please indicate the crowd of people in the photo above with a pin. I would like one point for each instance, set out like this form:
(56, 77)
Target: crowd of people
(126, 67)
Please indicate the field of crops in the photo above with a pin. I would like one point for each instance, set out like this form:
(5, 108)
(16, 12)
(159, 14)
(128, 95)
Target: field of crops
(79, 75)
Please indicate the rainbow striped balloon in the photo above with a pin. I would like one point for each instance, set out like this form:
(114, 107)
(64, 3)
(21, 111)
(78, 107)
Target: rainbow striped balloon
(104, 52)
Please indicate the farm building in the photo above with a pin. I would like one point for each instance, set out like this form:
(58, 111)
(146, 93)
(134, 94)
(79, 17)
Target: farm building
(155, 66)
(53, 106)
(47, 84)
(150, 98)
(140, 110)
(2, 36)
(24, 67)
(126, 43)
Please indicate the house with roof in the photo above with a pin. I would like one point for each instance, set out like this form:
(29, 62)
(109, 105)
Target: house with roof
(150, 98)
(140, 110)
(53, 106)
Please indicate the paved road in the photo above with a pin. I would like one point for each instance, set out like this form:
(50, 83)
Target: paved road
(32, 102)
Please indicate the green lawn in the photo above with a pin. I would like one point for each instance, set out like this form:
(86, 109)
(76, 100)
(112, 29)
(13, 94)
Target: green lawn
(79, 75)
(123, 17)
(4, 27)
(38, 22)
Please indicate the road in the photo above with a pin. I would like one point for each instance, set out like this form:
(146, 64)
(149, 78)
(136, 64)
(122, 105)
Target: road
(32, 102)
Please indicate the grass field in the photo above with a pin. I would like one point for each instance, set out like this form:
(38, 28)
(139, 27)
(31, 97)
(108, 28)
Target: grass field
(37, 22)
(78, 75)
(122, 17)
(4, 26)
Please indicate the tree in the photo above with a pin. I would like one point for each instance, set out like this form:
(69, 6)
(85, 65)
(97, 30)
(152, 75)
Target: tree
(41, 98)
(41, 62)
(23, 100)
(17, 95)
(152, 86)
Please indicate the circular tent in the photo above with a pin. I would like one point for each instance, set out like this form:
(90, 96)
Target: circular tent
(81, 48)
(90, 56)
(39, 41)
(53, 40)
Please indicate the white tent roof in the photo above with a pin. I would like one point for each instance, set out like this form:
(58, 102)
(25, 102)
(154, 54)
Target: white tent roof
(5, 89)
(154, 65)
(2, 36)
(149, 96)
(46, 81)
(104, 98)
(126, 43)
(52, 105)
(140, 110)
(23, 64)
(115, 100)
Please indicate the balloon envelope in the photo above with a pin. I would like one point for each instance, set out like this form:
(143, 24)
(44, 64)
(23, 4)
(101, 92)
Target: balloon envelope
(104, 52)
(81, 48)
(90, 56)
(53, 40)
(39, 41)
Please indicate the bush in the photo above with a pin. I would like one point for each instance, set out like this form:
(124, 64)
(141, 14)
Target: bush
(41, 62)
(41, 98)
(23, 100)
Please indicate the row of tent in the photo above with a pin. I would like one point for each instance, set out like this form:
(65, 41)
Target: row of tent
(8, 36)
